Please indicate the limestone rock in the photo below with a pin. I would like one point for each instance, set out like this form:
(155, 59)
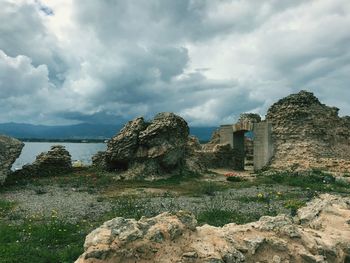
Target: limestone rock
(54, 162)
(176, 238)
(10, 149)
(149, 150)
(214, 140)
(308, 134)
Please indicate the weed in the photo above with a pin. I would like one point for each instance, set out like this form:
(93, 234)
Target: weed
(40, 191)
(315, 180)
(234, 179)
(294, 205)
(220, 217)
(5, 207)
(40, 242)
(207, 188)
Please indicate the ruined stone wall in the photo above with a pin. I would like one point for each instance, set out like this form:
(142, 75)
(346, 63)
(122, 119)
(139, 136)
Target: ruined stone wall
(263, 146)
(308, 134)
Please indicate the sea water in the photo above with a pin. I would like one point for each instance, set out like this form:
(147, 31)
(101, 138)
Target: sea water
(79, 151)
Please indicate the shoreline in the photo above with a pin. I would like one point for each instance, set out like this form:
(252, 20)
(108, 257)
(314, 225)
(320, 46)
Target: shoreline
(64, 140)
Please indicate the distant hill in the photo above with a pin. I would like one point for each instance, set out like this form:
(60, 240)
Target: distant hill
(79, 131)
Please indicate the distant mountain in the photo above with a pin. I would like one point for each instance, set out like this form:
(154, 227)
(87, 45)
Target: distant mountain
(202, 133)
(79, 131)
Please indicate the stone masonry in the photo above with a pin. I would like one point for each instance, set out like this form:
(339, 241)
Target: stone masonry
(298, 133)
(308, 134)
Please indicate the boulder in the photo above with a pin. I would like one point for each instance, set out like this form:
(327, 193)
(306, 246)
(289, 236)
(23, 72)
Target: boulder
(10, 150)
(54, 162)
(319, 233)
(147, 150)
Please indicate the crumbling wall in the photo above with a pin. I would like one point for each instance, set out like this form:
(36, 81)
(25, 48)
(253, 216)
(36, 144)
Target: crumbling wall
(263, 145)
(308, 134)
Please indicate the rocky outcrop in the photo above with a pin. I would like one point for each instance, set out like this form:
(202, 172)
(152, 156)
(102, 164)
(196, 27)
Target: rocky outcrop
(246, 122)
(148, 150)
(10, 149)
(308, 134)
(54, 162)
(214, 140)
(319, 233)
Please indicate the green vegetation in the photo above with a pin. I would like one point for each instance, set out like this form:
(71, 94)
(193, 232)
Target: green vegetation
(28, 239)
(294, 205)
(5, 207)
(312, 181)
(41, 242)
(220, 217)
(234, 179)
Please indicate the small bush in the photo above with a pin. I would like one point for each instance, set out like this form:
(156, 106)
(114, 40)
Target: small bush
(234, 179)
(294, 205)
(208, 188)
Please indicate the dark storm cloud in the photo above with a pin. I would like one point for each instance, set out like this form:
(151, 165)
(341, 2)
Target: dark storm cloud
(105, 61)
(95, 118)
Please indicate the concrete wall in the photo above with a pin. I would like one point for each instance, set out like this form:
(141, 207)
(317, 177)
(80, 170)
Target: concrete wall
(226, 134)
(263, 145)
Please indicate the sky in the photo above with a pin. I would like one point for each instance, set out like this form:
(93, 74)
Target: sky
(108, 61)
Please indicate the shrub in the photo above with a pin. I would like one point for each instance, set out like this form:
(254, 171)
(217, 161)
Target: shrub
(234, 179)
(294, 205)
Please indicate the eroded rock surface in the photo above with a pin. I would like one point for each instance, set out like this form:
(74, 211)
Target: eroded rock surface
(10, 149)
(308, 134)
(54, 162)
(319, 233)
(149, 149)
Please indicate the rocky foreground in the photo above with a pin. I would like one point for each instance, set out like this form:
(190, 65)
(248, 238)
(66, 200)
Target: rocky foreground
(320, 232)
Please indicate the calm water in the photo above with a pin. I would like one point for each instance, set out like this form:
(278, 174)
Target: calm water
(78, 151)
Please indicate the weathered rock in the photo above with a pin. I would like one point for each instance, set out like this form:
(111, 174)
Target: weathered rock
(54, 162)
(175, 238)
(214, 140)
(308, 134)
(149, 150)
(10, 149)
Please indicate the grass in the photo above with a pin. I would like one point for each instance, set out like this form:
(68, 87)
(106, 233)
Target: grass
(312, 181)
(41, 242)
(56, 241)
(220, 217)
(234, 179)
(6, 207)
(294, 205)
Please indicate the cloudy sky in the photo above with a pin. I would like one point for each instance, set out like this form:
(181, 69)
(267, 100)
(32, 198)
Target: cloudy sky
(106, 61)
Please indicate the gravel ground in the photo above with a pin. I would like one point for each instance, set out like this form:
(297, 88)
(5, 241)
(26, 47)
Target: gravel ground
(73, 205)
(230, 200)
(65, 203)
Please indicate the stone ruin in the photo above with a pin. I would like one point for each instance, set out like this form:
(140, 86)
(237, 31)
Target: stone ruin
(161, 148)
(299, 132)
(54, 162)
(150, 150)
(10, 149)
(260, 149)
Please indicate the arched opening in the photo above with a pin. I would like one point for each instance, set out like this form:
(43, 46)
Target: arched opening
(249, 151)
(238, 148)
(243, 147)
